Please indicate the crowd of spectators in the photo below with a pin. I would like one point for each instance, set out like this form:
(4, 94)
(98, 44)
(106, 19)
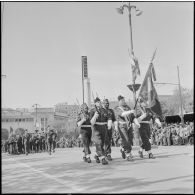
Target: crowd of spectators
(167, 135)
(173, 134)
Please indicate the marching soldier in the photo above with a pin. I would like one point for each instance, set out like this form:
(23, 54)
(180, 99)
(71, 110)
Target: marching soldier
(144, 130)
(99, 120)
(109, 133)
(125, 118)
(83, 121)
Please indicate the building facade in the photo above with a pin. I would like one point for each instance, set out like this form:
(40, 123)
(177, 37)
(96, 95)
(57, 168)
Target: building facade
(31, 119)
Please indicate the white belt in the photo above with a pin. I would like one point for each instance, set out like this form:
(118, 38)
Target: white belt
(122, 122)
(101, 123)
(85, 125)
(146, 122)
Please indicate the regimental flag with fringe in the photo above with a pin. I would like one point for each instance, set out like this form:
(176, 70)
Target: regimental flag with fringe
(148, 92)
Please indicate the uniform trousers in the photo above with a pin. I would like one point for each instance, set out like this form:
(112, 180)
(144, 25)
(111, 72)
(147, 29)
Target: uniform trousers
(86, 139)
(126, 134)
(144, 131)
(108, 142)
(100, 134)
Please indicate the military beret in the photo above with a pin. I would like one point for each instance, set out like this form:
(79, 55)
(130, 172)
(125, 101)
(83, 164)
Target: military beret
(97, 100)
(120, 97)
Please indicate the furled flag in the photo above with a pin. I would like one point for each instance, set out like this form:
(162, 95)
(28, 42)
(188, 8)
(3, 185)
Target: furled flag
(135, 66)
(148, 92)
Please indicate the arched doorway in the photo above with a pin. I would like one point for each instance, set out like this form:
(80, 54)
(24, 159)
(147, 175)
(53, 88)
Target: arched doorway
(4, 134)
(19, 131)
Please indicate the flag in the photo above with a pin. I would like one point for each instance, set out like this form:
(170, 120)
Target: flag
(135, 67)
(148, 92)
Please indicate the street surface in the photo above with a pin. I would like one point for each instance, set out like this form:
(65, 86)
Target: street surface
(64, 172)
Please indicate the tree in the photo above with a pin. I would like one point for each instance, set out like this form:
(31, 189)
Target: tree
(187, 99)
(172, 105)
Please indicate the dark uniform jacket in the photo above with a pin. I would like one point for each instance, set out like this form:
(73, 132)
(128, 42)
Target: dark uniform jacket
(103, 114)
(111, 114)
(80, 116)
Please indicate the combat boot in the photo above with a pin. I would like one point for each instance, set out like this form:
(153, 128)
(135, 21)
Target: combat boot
(151, 156)
(123, 154)
(97, 159)
(88, 160)
(140, 154)
(109, 157)
(84, 158)
(130, 158)
(104, 161)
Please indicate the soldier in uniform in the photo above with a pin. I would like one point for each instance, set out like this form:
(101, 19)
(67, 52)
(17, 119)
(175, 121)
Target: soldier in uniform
(109, 133)
(50, 139)
(99, 120)
(26, 140)
(54, 137)
(144, 130)
(19, 144)
(125, 117)
(83, 121)
(36, 141)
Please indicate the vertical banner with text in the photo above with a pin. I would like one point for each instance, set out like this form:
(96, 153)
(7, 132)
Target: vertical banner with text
(84, 66)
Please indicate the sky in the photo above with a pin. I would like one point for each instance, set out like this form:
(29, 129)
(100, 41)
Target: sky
(42, 45)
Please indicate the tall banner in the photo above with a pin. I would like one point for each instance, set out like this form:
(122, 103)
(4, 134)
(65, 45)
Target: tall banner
(84, 66)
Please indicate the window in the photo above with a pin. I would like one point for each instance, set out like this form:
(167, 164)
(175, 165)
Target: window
(19, 119)
(7, 120)
(23, 120)
(16, 120)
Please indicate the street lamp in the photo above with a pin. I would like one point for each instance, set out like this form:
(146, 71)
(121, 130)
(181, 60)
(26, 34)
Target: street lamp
(138, 13)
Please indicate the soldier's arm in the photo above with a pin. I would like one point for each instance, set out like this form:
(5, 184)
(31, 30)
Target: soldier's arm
(93, 116)
(125, 113)
(141, 114)
(109, 119)
(80, 121)
(157, 121)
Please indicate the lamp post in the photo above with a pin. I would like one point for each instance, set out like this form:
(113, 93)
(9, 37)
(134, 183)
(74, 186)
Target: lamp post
(138, 12)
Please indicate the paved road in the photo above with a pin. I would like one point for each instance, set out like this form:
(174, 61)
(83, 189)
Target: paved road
(64, 172)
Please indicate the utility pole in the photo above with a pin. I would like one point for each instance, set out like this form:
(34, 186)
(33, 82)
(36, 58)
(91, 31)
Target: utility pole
(181, 102)
(83, 83)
